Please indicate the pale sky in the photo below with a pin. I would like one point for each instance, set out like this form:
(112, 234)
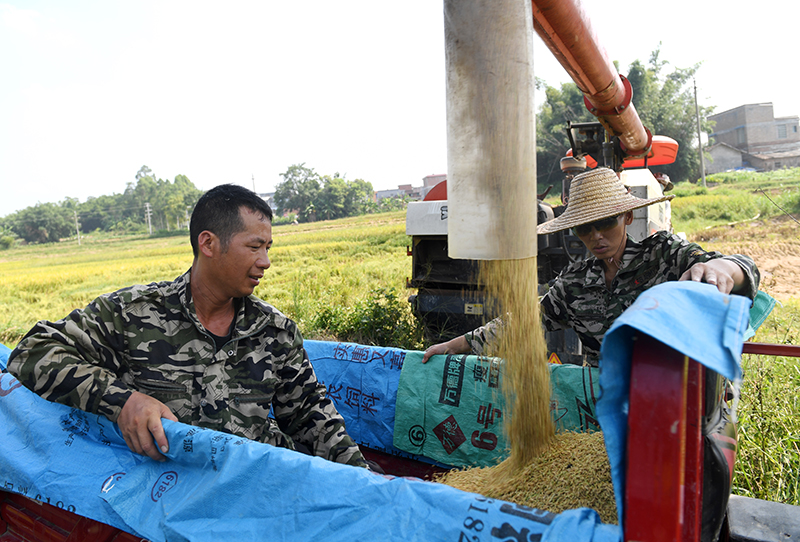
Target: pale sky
(237, 91)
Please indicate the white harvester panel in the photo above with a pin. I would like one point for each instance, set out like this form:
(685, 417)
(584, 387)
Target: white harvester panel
(426, 218)
(650, 219)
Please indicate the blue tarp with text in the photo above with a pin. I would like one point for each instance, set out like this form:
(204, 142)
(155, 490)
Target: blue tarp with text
(215, 486)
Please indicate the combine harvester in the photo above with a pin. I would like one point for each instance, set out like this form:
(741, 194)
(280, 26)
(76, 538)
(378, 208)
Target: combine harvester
(68, 476)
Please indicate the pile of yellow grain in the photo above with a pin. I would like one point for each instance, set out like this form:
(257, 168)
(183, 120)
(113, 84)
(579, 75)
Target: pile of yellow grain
(571, 472)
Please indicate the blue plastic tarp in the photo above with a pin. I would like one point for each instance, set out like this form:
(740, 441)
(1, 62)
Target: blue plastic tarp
(59, 455)
(4, 352)
(205, 493)
(216, 486)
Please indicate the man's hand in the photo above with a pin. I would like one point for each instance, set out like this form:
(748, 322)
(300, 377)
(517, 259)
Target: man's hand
(459, 345)
(725, 275)
(140, 423)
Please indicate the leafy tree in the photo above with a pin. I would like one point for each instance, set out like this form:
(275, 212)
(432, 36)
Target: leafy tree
(144, 171)
(664, 101)
(7, 237)
(101, 213)
(189, 195)
(561, 106)
(326, 197)
(171, 204)
(332, 198)
(359, 195)
(43, 223)
(298, 192)
(340, 198)
(143, 191)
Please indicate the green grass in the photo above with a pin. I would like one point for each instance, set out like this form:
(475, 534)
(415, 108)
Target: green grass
(768, 462)
(695, 208)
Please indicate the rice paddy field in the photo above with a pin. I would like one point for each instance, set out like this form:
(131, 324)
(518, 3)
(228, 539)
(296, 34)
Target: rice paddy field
(315, 267)
(328, 271)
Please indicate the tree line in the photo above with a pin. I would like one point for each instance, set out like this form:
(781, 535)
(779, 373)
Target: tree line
(150, 204)
(308, 196)
(663, 98)
(147, 204)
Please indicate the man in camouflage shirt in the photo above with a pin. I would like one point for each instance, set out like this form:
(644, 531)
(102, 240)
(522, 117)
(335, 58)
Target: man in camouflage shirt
(589, 295)
(201, 349)
(580, 299)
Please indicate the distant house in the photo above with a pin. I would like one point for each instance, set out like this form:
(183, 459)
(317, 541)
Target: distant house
(725, 158)
(776, 160)
(416, 193)
(749, 136)
(392, 193)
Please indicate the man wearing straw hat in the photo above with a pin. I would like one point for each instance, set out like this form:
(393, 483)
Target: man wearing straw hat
(589, 295)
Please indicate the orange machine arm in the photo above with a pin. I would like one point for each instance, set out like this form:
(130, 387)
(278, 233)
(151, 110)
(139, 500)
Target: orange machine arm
(567, 32)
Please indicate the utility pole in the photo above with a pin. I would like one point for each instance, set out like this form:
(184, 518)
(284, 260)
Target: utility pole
(699, 139)
(77, 226)
(254, 182)
(147, 213)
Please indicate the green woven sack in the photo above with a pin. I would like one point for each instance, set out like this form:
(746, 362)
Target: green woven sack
(451, 409)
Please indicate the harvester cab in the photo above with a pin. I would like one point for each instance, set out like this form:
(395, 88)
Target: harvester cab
(450, 300)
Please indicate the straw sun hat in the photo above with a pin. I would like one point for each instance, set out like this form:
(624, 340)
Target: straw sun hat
(595, 195)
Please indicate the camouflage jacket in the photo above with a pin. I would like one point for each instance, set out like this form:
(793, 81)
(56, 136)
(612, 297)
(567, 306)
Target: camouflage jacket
(579, 298)
(149, 339)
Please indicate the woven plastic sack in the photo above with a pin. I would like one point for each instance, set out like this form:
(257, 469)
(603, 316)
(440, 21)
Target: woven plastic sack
(451, 408)
(362, 383)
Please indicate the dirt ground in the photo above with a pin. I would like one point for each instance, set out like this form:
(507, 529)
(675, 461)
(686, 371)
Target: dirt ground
(774, 246)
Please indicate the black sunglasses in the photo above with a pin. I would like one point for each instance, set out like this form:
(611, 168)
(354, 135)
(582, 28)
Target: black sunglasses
(600, 225)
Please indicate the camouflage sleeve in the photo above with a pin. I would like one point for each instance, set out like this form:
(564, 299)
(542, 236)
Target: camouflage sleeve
(481, 338)
(684, 255)
(751, 274)
(553, 307)
(74, 361)
(305, 413)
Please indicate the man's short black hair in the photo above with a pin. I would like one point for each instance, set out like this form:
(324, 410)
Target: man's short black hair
(218, 212)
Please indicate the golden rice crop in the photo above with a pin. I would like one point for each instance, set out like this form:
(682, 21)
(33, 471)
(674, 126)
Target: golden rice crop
(572, 471)
(333, 263)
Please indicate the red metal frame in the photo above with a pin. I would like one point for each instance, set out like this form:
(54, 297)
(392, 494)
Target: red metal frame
(664, 479)
(402, 467)
(767, 349)
(25, 520)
